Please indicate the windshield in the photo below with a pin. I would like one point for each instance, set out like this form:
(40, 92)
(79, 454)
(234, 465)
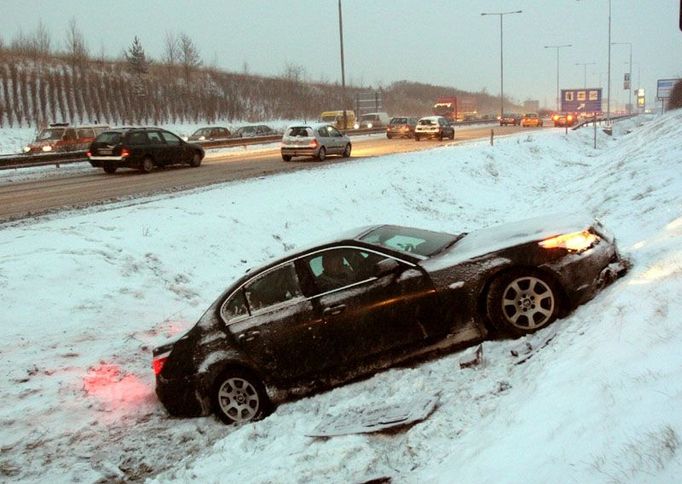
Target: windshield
(51, 133)
(329, 118)
(408, 239)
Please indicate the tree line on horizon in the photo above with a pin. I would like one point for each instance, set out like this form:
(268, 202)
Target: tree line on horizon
(40, 84)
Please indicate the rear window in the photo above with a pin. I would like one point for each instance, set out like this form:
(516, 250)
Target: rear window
(399, 121)
(109, 137)
(427, 122)
(407, 239)
(300, 131)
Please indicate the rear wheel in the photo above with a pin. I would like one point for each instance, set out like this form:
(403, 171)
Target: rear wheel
(286, 157)
(522, 302)
(389, 135)
(109, 168)
(147, 165)
(239, 397)
(416, 137)
(346, 151)
(322, 154)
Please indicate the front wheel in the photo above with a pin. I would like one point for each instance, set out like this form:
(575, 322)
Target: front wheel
(346, 151)
(196, 160)
(286, 157)
(322, 154)
(522, 302)
(238, 397)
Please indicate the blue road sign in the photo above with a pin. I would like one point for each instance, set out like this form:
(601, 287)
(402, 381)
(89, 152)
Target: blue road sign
(586, 100)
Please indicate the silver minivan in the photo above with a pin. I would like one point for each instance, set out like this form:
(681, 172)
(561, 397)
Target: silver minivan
(314, 140)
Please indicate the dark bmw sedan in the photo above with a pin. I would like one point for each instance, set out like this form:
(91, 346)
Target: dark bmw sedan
(143, 149)
(373, 298)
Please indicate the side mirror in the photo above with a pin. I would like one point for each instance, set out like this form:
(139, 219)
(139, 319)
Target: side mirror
(385, 267)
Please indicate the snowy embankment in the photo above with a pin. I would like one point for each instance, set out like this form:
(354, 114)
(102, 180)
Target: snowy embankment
(86, 294)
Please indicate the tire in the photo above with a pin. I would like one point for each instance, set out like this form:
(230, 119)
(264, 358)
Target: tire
(522, 302)
(109, 168)
(196, 160)
(416, 137)
(389, 136)
(452, 136)
(238, 397)
(440, 136)
(322, 154)
(147, 165)
(286, 157)
(346, 151)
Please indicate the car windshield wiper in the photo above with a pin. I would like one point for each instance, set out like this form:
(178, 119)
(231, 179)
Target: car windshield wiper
(454, 241)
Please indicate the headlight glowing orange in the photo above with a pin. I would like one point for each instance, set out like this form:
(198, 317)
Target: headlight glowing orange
(575, 242)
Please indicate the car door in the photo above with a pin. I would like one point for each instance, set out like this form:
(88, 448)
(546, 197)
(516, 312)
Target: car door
(158, 146)
(337, 137)
(177, 149)
(374, 311)
(272, 321)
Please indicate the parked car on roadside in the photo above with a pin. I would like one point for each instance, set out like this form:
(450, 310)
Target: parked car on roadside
(434, 127)
(316, 140)
(64, 137)
(401, 127)
(253, 131)
(212, 133)
(531, 119)
(510, 118)
(372, 298)
(143, 149)
(372, 120)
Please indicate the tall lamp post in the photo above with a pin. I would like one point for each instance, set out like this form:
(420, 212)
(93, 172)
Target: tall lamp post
(501, 15)
(558, 47)
(629, 75)
(343, 71)
(585, 64)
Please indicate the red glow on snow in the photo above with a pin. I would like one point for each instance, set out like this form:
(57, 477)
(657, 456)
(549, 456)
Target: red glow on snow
(113, 386)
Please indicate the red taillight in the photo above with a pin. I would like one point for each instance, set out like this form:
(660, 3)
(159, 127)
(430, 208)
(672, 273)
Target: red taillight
(88, 154)
(125, 153)
(313, 143)
(158, 362)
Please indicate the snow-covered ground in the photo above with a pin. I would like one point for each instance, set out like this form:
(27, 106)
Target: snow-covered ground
(86, 294)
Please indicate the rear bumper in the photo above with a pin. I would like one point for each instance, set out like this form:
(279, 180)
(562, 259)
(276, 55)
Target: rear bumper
(296, 151)
(184, 397)
(118, 161)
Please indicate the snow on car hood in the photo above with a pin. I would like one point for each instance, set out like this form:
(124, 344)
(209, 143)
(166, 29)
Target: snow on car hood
(491, 239)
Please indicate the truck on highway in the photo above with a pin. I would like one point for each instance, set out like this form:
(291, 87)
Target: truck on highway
(454, 108)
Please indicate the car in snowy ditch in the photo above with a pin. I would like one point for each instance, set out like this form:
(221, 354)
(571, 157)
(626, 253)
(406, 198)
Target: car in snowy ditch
(372, 298)
(314, 140)
(143, 149)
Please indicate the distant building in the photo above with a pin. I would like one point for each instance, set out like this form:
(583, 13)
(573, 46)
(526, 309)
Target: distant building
(531, 105)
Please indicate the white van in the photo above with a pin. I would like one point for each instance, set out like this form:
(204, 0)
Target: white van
(373, 120)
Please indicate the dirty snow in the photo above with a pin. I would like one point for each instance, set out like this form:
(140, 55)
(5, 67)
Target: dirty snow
(86, 295)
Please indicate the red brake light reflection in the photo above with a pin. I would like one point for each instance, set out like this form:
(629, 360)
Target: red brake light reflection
(158, 362)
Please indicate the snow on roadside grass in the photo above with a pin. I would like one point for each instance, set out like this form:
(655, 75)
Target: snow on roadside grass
(87, 295)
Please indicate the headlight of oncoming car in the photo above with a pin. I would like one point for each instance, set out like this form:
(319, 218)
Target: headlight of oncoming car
(356, 126)
(26, 149)
(573, 242)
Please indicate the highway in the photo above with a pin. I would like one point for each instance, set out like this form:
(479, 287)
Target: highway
(82, 188)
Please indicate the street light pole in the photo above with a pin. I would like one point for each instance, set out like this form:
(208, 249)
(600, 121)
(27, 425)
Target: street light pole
(343, 71)
(629, 74)
(557, 47)
(585, 64)
(501, 15)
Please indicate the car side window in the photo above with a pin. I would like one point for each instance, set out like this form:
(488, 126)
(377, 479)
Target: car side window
(86, 133)
(336, 268)
(334, 132)
(155, 138)
(170, 138)
(138, 138)
(70, 135)
(235, 307)
(323, 132)
(272, 288)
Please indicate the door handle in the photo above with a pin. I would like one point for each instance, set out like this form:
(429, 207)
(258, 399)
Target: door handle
(248, 336)
(334, 310)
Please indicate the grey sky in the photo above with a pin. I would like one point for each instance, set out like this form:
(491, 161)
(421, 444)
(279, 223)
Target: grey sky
(443, 42)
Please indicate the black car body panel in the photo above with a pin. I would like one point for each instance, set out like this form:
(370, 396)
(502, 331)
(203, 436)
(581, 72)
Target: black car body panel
(412, 300)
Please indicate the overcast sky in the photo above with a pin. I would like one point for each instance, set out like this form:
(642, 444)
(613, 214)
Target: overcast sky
(445, 42)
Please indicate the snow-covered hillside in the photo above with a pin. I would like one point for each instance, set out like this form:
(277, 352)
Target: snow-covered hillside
(88, 293)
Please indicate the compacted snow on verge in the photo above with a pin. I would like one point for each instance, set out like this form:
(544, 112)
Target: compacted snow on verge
(87, 294)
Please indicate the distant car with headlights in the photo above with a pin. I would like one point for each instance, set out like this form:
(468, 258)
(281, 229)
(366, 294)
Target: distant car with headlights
(401, 127)
(510, 119)
(61, 137)
(531, 120)
(564, 119)
(434, 127)
(372, 298)
(142, 149)
(317, 140)
(254, 131)
(372, 120)
(211, 133)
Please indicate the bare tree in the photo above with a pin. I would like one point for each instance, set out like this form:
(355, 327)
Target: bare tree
(76, 50)
(189, 56)
(42, 43)
(171, 51)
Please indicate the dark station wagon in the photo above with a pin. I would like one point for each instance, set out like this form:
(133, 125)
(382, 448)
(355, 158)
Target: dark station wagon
(373, 298)
(143, 149)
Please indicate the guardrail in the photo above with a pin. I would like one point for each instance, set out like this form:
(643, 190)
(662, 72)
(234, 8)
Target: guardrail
(601, 121)
(59, 158)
